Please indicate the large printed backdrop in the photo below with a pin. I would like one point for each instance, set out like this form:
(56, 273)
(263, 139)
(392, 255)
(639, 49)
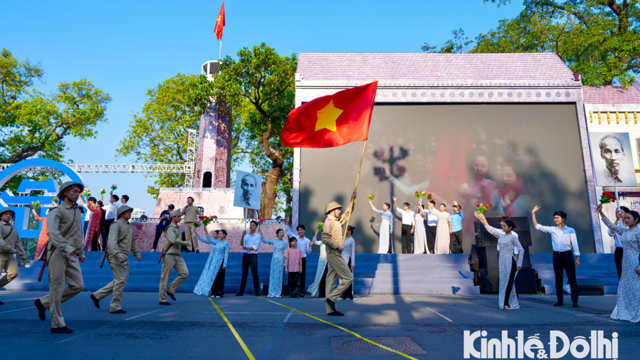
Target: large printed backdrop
(513, 156)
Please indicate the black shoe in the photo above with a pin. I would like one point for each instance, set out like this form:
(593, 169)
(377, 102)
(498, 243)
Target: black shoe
(165, 303)
(335, 313)
(173, 297)
(332, 305)
(197, 251)
(575, 305)
(558, 304)
(62, 330)
(240, 294)
(96, 302)
(1, 303)
(119, 312)
(41, 309)
(349, 298)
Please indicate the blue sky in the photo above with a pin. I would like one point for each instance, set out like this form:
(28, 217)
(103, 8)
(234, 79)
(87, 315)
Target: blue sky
(128, 47)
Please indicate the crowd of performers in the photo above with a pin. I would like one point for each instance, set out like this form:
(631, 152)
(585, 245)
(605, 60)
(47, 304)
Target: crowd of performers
(66, 249)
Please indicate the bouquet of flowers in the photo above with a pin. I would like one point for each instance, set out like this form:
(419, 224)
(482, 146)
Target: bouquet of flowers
(86, 192)
(371, 196)
(607, 197)
(103, 191)
(206, 220)
(287, 210)
(482, 208)
(114, 187)
(420, 194)
(429, 196)
(55, 200)
(260, 221)
(35, 204)
(198, 222)
(320, 226)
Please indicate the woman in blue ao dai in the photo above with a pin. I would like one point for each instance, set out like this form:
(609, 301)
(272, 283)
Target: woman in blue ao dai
(276, 276)
(628, 304)
(314, 289)
(218, 255)
(509, 261)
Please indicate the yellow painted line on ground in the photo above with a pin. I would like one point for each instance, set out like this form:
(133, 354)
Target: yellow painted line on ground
(235, 333)
(341, 328)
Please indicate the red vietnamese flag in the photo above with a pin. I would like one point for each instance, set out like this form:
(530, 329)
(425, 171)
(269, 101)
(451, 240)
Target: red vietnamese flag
(332, 120)
(220, 23)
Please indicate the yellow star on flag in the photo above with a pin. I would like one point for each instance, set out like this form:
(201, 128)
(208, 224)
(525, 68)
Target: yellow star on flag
(327, 117)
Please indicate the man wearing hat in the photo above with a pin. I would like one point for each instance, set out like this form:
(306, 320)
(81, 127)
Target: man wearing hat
(191, 213)
(63, 253)
(121, 243)
(10, 244)
(171, 259)
(332, 237)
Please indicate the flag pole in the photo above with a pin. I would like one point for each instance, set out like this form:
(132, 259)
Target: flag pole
(220, 53)
(356, 189)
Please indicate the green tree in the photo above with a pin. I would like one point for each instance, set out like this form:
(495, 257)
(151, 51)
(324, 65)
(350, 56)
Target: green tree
(159, 134)
(260, 86)
(35, 125)
(598, 39)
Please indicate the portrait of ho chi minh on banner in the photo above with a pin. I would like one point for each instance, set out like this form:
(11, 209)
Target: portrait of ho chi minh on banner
(248, 190)
(612, 159)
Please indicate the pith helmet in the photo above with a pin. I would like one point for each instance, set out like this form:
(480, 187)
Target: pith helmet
(67, 185)
(176, 213)
(122, 209)
(332, 206)
(7, 210)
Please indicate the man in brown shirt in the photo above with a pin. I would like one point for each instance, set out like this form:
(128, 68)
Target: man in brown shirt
(190, 213)
(333, 239)
(121, 244)
(63, 253)
(10, 244)
(171, 259)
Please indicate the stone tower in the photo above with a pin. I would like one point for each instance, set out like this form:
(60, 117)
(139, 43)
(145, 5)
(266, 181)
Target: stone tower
(213, 160)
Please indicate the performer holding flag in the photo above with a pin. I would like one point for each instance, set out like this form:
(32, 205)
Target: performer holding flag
(332, 121)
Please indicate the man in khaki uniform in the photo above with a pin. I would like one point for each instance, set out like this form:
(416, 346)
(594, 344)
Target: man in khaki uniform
(121, 243)
(10, 244)
(332, 237)
(171, 259)
(63, 253)
(190, 213)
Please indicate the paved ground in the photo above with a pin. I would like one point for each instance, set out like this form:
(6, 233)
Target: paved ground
(194, 328)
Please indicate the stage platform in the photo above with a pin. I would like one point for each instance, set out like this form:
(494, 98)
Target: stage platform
(374, 273)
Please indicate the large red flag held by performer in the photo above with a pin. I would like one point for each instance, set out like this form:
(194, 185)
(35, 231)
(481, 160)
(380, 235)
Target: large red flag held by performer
(333, 120)
(220, 23)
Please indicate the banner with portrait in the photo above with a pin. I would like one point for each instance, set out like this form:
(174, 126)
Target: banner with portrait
(248, 190)
(612, 159)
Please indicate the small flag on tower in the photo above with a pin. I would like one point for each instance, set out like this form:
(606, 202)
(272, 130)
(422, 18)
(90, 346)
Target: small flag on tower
(333, 120)
(220, 23)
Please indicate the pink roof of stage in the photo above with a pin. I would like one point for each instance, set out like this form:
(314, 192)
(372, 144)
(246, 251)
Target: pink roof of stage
(433, 67)
(610, 95)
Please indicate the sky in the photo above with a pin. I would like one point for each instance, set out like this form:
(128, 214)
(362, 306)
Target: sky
(128, 47)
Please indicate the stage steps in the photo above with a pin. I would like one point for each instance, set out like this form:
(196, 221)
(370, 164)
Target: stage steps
(600, 266)
(374, 274)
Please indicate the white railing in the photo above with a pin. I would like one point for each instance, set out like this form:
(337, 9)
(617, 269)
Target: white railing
(119, 168)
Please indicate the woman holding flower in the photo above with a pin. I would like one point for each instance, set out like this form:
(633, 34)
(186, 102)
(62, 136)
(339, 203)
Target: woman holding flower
(386, 227)
(420, 233)
(509, 262)
(318, 286)
(216, 263)
(628, 304)
(276, 276)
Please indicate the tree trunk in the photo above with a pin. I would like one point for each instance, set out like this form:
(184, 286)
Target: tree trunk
(268, 200)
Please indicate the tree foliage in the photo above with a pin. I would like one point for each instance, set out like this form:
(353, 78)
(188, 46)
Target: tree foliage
(33, 124)
(159, 134)
(260, 88)
(598, 39)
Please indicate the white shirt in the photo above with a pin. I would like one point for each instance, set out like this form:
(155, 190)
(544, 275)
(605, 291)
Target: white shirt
(408, 217)
(303, 244)
(111, 211)
(88, 213)
(561, 240)
(252, 241)
(432, 218)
